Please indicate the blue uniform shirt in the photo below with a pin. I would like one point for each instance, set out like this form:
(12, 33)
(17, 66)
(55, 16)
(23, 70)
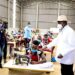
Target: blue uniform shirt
(27, 32)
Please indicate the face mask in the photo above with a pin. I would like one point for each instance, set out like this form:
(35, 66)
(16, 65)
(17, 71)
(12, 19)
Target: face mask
(59, 26)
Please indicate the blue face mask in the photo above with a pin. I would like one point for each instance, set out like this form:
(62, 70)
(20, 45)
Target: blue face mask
(33, 51)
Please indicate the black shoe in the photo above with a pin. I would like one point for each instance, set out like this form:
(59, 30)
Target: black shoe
(1, 66)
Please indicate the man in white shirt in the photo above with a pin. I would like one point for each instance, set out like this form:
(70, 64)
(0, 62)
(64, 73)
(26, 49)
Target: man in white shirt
(65, 42)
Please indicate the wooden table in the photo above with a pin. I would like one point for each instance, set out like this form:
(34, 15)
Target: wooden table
(27, 70)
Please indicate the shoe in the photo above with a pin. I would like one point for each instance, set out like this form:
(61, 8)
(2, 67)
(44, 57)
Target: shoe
(1, 66)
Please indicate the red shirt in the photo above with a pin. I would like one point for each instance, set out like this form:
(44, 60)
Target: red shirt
(34, 57)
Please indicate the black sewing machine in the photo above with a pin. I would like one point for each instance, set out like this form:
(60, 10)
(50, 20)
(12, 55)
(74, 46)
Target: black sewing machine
(22, 59)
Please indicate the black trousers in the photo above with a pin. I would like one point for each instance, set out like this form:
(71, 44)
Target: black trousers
(5, 51)
(0, 55)
(67, 69)
(26, 42)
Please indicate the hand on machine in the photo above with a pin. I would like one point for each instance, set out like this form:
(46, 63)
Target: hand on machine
(47, 49)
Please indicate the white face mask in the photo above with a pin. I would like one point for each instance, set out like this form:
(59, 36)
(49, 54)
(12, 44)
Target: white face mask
(59, 26)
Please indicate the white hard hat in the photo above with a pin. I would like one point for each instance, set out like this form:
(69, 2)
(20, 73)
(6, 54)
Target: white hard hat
(62, 18)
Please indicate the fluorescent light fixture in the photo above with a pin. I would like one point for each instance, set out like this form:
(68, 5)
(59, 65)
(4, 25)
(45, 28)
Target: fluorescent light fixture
(14, 13)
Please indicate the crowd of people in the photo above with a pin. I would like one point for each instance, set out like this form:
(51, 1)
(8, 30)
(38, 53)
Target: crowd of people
(23, 39)
(37, 44)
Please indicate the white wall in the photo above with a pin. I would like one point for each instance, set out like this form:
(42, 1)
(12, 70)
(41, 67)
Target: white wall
(18, 14)
(48, 12)
(68, 8)
(3, 10)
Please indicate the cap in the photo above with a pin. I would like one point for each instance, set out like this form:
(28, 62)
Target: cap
(62, 18)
